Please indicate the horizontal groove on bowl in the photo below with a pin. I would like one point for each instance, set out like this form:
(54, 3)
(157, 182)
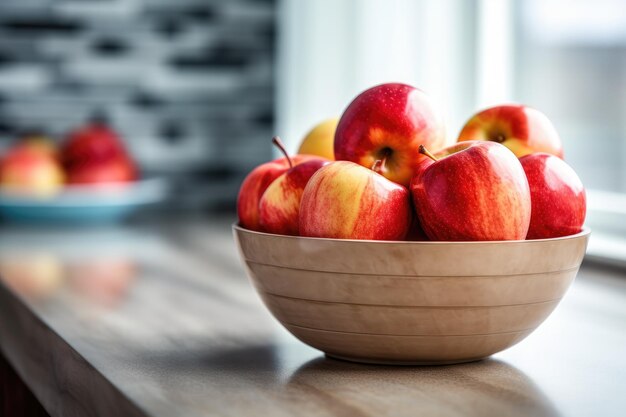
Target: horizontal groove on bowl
(410, 302)
(409, 276)
(387, 362)
(389, 290)
(287, 324)
(407, 348)
(415, 306)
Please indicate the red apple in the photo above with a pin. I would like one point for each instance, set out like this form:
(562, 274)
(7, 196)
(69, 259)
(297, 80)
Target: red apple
(345, 200)
(115, 170)
(559, 203)
(389, 122)
(28, 170)
(279, 207)
(472, 191)
(255, 184)
(95, 154)
(522, 129)
(91, 144)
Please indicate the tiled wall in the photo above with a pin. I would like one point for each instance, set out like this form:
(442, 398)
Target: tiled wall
(189, 83)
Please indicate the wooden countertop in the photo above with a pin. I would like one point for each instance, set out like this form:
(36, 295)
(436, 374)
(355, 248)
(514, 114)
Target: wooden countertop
(159, 319)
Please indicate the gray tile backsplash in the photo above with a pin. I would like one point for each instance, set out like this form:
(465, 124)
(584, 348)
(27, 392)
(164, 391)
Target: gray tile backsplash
(188, 83)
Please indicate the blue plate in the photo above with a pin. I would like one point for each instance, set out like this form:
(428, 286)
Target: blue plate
(84, 204)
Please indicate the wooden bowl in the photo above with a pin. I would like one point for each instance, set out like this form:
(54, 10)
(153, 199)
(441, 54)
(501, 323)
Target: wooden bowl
(410, 302)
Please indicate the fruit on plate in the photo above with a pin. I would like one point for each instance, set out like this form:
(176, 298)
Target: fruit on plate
(255, 184)
(472, 191)
(522, 129)
(279, 206)
(389, 122)
(28, 170)
(345, 200)
(96, 154)
(320, 140)
(558, 197)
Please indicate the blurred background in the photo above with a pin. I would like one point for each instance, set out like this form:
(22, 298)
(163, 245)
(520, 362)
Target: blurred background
(189, 85)
(196, 88)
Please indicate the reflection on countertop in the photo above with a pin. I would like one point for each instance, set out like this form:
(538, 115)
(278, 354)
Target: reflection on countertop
(157, 319)
(489, 387)
(97, 264)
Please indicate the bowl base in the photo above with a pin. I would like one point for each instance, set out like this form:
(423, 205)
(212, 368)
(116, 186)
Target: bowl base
(401, 363)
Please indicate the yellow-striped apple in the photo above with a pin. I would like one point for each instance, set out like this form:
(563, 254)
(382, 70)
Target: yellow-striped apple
(255, 184)
(522, 129)
(320, 140)
(389, 122)
(29, 170)
(345, 200)
(472, 191)
(559, 203)
(279, 207)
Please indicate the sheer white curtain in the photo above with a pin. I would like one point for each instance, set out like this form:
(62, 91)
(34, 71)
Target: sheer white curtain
(330, 50)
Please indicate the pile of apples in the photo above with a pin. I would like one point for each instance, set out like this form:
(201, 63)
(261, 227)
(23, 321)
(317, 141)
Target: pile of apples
(92, 154)
(383, 172)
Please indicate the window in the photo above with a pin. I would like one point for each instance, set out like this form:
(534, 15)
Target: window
(570, 61)
(564, 57)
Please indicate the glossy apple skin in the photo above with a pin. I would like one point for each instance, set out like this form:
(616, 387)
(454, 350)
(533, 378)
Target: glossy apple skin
(389, 120)
(559, 201)
(279, 207)
(522, 129)
(255, 184)
(344, 200)
(28, 170)
(475, 191)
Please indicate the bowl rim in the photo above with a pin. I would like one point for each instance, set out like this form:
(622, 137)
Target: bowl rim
(584, 232)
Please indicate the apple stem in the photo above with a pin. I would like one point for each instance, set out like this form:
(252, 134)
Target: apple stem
(426, 152)
(378, 164)
(280, 145)
(499, 138)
